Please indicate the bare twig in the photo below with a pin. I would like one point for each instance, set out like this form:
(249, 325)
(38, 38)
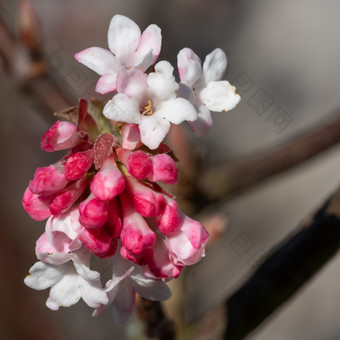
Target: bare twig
(233, 177)
(157, 325)
(284, 272)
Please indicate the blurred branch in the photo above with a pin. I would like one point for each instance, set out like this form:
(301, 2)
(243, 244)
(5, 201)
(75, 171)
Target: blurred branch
(157, 325)
(23, 61)
(233, 177)
(283, 273)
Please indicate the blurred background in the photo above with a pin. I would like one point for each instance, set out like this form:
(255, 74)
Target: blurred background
(285, 52)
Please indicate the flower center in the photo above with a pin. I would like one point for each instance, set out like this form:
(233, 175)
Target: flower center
(147, 110)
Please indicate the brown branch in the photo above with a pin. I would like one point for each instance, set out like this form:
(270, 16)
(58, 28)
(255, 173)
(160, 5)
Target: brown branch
(283, 273)
(233, 177)
(157, 325)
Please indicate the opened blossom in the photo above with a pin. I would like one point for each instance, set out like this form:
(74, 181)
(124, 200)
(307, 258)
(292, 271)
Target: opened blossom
(128, 49)
(104, 198)
(203, 86)
(151, 102)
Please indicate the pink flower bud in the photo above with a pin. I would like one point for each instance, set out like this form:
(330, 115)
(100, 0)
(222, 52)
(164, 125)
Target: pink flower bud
(98, 242)
(113, 225)
(187, 245)
(93, 212)
(147, 202)
(164, 169)
(78, 164)
(60, 136)
(159, 265)
(36, 206)
(48, 180)
(109, 182)
(138, 163)
(131, 137)
(170, 220)
(136, 237)
(65, 199)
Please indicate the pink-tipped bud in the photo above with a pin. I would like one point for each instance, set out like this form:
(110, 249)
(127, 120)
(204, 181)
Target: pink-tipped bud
(138, 163)
(98, 242)
(136, 237)
(65, 199)
(78, 164)
(147, 202)
(93, 213)
(170, 220)
(164, 169)
(60, 136)
(186, 247)
(48, 180)
(36, 206)
(108, 182)
(113, 225)
(131, 137)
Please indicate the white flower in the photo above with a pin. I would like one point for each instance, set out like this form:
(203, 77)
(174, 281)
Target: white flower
(204, 87)
(150, 101)
(129, 49)
(69, 279)
(128, 279)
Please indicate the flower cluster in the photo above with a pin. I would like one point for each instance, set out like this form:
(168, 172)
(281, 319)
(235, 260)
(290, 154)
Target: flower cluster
(103, 198)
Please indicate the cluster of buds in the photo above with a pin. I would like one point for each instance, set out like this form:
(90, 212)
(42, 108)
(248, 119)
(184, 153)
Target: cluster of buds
(104, 197)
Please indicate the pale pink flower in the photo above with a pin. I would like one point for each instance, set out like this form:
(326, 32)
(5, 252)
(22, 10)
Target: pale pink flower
(36, 206)
(128, 48)
(127, 280)
(131, 137)
(164, 169)
(149, 101)
(204, 87)
(60, 136)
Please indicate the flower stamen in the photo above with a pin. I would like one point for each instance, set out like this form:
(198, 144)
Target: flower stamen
(147, 109)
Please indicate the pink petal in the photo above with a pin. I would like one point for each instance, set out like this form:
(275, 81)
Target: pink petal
(164, 169)
(78, 164)
(113, 225)
(151, 39)
(106, 83)
(48, 180)
(189, 66)
(60, 136)
(131, 137)
(123, 38)
(109, 182)
(98, 59)
(170, 220)
(36, 206)
(93, 212)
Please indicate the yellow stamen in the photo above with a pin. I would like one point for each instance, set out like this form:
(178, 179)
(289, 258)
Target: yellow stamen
(147, 109)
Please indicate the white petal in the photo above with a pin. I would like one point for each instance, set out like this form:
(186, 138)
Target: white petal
(144, 62)
(123, 38)
(203, 123)
(151, 39)
(92, 293)
(153, 129)
(219, 96)
(98, 59)
(54, 258)
(177, 110)
(122, 109)
(51, 304)
(150, 289)
(106, 83)
(81, 261)
(123, 305)
(189, 66)
(43, 276)
(66, 292)
(215, 65)
(133, 83)
(162, 82)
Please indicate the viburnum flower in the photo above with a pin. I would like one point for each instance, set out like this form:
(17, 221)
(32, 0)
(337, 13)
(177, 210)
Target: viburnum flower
(204, 87)
(104, 198)
(128, 48)
(151, 102)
